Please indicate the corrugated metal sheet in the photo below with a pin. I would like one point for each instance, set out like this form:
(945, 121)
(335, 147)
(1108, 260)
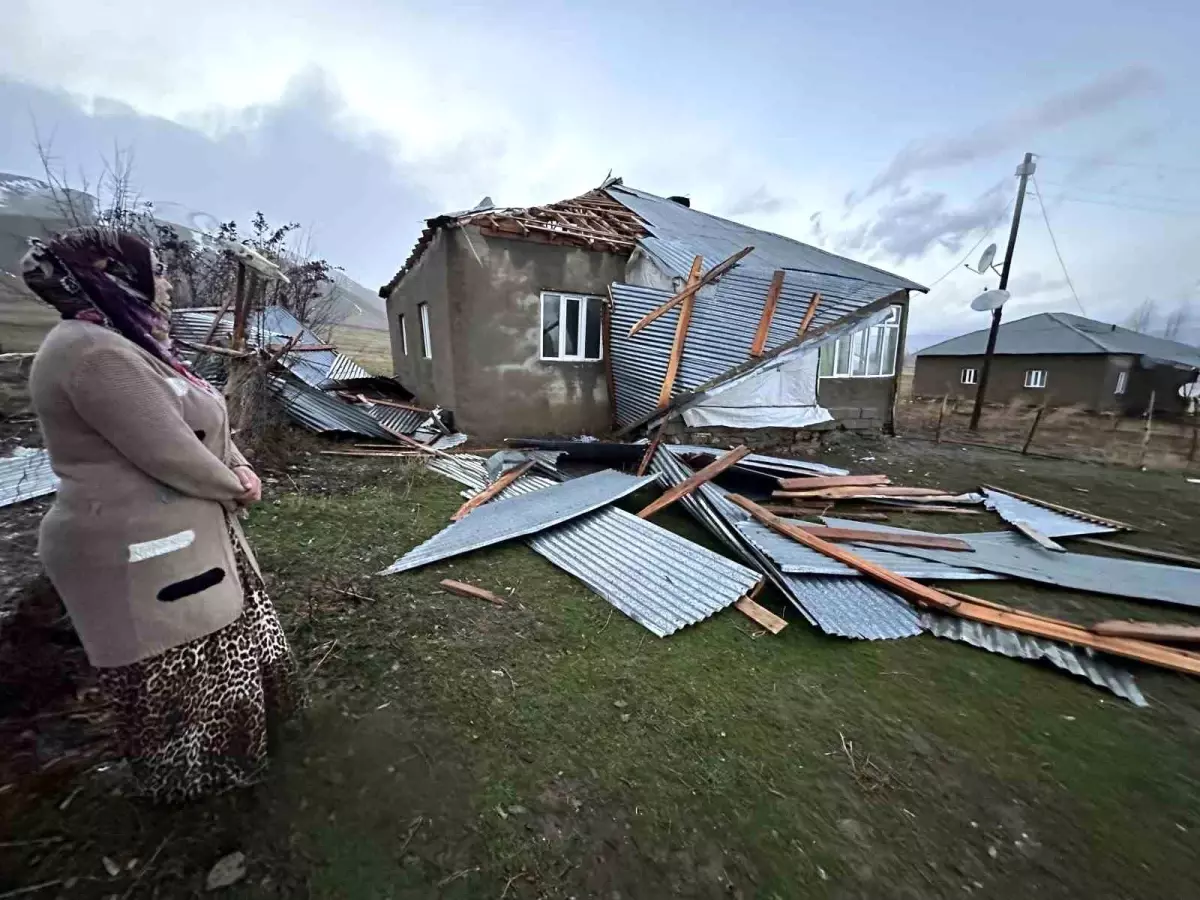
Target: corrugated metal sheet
(405, 421)
(795, 558)
(506, 519)
(1014, 555)
(771, 465)
(679, 233)
(26, 475)
(321, 412)
(1022, 646)
(449, 441)
(655, 577)
(346, 369)
(854, 607)
(1049, 522)
(724, 320)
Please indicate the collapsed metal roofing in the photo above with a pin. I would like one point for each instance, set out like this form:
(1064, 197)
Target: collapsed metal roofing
(503, 520)
(321, 412)
(660, 580)
(25, 475)
(1049, 522)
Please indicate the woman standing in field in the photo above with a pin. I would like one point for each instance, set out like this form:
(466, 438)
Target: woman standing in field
(142, 542)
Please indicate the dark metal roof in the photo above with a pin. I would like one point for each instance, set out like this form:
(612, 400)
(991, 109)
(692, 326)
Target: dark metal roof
(1066, 334)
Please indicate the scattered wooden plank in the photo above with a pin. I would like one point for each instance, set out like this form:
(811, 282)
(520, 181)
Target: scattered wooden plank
(469, 590)
(781, 510)
(651, 449)
(819, 482)
(922, 508)
(768, 313)
(681, 330)
(862, 536)
(976, 609)
(1046, 504)
(380, 453)
(710, 276)
(493, 489)
(1036, 536)
(1162, 555)
(1148, 631)
(685, 487)
(761, 615)
(808, 314)
(396, 404)
(867, 492)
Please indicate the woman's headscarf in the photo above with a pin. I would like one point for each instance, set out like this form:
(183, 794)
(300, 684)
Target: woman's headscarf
(107, 277)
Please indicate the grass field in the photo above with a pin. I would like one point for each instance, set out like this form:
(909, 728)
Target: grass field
(554, 748)
(371, 349)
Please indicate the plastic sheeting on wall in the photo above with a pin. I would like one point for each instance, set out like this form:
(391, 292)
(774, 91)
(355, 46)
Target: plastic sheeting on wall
(782, 396)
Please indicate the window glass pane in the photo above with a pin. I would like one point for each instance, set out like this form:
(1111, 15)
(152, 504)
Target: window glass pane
(825, 360)
(591, 333)
(858, 353)
(403, 336)
(842, 366)
(570, 326)
(426, 343)
(891, 339)
(874, 348)
(550, 325)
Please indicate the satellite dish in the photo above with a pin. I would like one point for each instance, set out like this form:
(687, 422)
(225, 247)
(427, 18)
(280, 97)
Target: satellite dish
(985, 260)
(989, 300)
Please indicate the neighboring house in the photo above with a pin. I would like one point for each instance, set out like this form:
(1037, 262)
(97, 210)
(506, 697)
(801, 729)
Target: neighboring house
(518, 320)
(1064, 360)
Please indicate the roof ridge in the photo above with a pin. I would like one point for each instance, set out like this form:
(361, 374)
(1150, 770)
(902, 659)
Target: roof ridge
(1079, 331)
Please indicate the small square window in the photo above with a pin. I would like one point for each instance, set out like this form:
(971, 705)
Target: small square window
(571, 327)
(969, 376)
(1035, 378)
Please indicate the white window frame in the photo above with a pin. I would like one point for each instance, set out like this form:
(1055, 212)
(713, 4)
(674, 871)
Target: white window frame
(581, 324)
(867, 345)
(426, 341)
(403, 335)
(969, 376)
(1122, 381)
(1035, 378)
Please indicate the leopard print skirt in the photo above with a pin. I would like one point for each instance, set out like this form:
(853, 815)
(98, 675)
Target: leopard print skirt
(195, 719)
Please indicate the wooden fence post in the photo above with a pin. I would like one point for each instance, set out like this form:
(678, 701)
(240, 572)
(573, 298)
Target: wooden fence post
(1192, 448)
(1146, 435)
(941, 415)
(1037, 418)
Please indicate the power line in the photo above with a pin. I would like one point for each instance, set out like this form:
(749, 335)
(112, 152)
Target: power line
(1153, 198)
(1150, 209)
(1093, 161)
(987, 234)
(1054, 241)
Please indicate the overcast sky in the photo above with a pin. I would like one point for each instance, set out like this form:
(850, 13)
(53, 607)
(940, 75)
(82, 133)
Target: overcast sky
(887, 134)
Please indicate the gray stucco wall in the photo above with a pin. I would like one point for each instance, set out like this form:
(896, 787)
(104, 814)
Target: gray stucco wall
(1087, 380)
(503, 387)
(431, 380)
(857, 403)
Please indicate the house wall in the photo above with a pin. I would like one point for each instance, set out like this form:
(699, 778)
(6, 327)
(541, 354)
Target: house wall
(1163, 381)
(430, 380)
(503, 387)
(1086, 380)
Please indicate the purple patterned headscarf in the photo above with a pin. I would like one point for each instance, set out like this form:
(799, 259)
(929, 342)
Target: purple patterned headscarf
(107, 277)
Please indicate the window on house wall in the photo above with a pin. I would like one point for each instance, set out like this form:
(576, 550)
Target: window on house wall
(426, 342)
(571, 326)
(867, 353)
(403, 335)
(1035, 378)
(1122, 381)
(969, 376)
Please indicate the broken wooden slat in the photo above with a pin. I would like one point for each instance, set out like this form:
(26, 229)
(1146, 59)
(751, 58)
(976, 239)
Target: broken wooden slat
(1148, 631)
(1036, 536)
(381, 453)
(920, 508)
(688, 485)
(681, 330)
(651, 449)
(853, 493)
(710, 276)
(469, 590)
(768, 313)
(897, 539)
(782, 510)
(1176, 558)
(978, 610)
(818, 482)
(761, 615)
(1046, 504)
(808, 314)
(493, 489)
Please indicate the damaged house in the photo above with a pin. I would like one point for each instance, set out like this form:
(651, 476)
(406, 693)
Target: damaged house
(550, 319)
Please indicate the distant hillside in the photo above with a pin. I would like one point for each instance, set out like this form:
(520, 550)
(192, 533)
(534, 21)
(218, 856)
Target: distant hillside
(28, 209)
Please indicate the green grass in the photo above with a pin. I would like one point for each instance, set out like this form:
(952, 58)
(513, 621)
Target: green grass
(557, 748)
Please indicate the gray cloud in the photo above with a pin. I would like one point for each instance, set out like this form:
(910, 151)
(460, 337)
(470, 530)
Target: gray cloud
(816, 228)
(1028, 284)
(291, 159)
(759, 200)
(909, 227)
(1004, 134)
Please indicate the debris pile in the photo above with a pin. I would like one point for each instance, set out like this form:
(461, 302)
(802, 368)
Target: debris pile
(848, 577)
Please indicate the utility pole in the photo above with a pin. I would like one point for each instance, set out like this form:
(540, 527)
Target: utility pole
(1024, 170)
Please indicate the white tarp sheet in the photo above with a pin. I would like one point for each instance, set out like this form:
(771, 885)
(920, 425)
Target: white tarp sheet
(783, 396)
